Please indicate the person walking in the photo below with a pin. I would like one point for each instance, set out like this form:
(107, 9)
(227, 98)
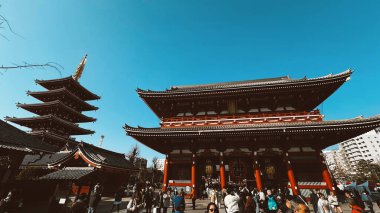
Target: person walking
(165, 201)
(355, 208)
(148, 199)
(333, 202)
(118, 197)
(136, 204)
(261, 199)
(179, 203)
(231, 201)
(193, 197)
(95, 197)
(314, 200)
(249, 204)
(218, 197)
(7, 203)
(270, 202)
(79, 206)
(158, 202)
(367, 201)
(323, 204)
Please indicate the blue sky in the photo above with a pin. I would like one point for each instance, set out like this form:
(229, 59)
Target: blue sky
(154, 44)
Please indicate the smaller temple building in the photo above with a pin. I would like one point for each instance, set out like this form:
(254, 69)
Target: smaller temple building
(62, 166)
(80, 169)
(14, 145)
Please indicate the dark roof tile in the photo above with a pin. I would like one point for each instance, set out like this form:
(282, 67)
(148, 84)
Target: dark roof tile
(69, 173)
(10, 136)
(43, 160)
(106, 157)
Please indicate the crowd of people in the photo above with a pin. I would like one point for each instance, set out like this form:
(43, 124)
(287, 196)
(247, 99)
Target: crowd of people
(235, 199)
(143, 199)
(243, 200)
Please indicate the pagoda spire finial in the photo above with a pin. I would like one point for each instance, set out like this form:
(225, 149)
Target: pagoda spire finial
(79, 71)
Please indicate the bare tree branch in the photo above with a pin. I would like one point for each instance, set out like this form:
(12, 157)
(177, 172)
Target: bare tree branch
(133, 154)
(4, 21)
(57, 67)
(4, 25)
(154, 163)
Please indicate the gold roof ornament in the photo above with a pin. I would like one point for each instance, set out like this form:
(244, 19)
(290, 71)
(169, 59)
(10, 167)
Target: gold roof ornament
(79, 71)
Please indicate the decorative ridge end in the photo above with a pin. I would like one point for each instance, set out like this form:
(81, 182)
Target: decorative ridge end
(139, 90)
(79, 71)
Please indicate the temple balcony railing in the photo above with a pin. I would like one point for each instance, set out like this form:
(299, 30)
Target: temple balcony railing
(312, 116)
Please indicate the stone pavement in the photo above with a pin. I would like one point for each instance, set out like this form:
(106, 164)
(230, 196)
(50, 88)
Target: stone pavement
(106, 204)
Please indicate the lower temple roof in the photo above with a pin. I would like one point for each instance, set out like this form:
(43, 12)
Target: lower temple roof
(321, 134)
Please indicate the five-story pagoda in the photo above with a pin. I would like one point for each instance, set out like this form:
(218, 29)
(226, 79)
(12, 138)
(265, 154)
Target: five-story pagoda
(60, 111)
(265, 131)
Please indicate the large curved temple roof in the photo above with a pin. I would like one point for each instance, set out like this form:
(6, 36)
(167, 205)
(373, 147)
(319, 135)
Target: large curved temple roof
(263, 95)
(279, 83)
(321, 134)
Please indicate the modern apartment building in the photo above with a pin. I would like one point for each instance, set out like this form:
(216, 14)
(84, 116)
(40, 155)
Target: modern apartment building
(363, 147)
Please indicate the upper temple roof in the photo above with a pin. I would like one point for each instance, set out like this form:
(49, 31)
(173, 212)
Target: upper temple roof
(71, 84)
(283, 81)
(270, 95)
(232, 84)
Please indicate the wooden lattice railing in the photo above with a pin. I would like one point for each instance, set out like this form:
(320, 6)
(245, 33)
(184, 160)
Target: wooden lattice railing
(311, 116)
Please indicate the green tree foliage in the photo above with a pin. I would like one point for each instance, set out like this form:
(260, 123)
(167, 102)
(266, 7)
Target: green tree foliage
(342, 175)
(366, 170)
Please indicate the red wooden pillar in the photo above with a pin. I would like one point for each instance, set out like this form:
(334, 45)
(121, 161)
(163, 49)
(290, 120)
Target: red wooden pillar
(326, 174)
(292, 179)
(257, 173)
(193, 173)
(166, 174)
(222, 172)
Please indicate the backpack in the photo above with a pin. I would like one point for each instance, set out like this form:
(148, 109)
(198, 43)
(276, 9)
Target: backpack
(179, 203)
(272, 205)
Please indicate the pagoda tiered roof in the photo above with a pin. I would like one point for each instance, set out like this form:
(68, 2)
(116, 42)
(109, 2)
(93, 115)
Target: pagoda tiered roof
(61, 110)
(254, 96)
(50, 122)
(71, 84)
(322, 134)
(65, 96)
(58, 109)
